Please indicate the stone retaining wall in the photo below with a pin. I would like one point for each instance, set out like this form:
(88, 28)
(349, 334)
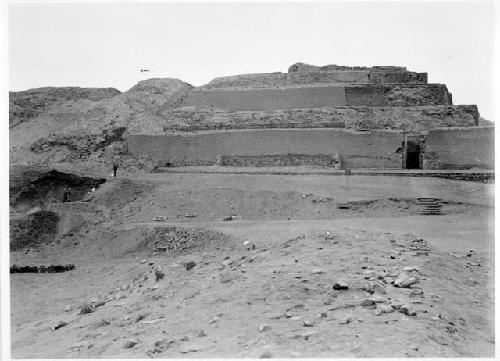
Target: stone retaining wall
(281, 160)
(409, 119)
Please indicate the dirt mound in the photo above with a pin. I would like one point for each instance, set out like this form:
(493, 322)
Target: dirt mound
(29, 187)
(280, 295)
(154, 95)
(57, 124)
(30, 103)
(81, 146)
(37, 228)
(178, 240)
(122, 192)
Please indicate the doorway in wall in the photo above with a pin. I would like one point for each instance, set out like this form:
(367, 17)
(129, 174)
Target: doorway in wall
(412, 152)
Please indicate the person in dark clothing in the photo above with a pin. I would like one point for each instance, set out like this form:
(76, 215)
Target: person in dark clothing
(66, 194)
(115, 168)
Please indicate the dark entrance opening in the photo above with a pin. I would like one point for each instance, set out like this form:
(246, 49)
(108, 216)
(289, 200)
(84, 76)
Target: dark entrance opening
(412, 153)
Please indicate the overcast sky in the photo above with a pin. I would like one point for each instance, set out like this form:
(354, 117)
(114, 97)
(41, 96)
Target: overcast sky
(106, 45)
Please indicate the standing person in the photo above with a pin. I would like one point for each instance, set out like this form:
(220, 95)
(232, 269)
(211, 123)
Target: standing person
(66, 193)
(115, 168)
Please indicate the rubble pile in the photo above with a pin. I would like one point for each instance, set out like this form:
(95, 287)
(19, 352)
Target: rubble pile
(176, 240)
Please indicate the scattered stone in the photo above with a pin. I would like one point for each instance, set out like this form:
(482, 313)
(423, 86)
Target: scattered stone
(369, 273)
(143, 261)
(308, 333)
(368, 287)
(340, 286)
(308, 323)
(291, 241)
(407, 310)
(396, 305)
(60, 324)
(376, 299)
(266, 354)
(160, 218)
(192, 347)
(189, 265)
(130, 344)
(367, 303)
(276, 316)
(374, 287)
(230, 217)
(345, 319)
(159, 274)
(264, 328)
(190, 215)
(42, 269)
(296, 318)
(410, 269)
(298, 306)
(378, 288)
(403, 280)
(140, 318)
(68, 308)
(215, 319)
(87, 308)
(416, 292)
(317, 271)
(104, 322)
(150, 322)
(119, 296)
(383, 309)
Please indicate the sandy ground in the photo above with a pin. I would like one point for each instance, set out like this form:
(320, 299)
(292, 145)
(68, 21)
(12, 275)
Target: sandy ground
(262, 284)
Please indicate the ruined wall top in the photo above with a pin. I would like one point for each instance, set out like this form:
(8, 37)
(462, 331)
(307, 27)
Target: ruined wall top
(303, 67)
(305, 74)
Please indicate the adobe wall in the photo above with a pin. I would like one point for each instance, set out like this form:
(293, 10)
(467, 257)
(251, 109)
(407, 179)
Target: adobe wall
(319, 96)
(460, 148)
(378, 149)
(269, 98)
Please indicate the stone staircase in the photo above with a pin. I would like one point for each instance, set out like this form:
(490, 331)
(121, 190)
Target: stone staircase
(429, 206)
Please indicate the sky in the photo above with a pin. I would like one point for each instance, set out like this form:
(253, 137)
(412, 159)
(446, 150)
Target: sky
(106, 45)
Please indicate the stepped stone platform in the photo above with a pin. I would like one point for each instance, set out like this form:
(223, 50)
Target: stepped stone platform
(383, 117)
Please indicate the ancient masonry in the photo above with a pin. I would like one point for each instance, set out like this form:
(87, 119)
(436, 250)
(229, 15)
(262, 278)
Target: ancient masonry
(382, 117)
